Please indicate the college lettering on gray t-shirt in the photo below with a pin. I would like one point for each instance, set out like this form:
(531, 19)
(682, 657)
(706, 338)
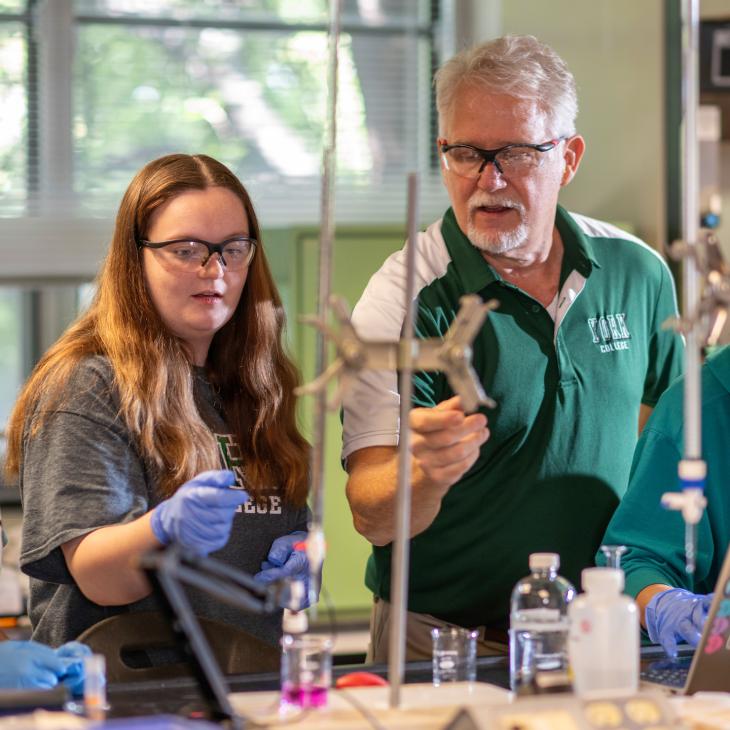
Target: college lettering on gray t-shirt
(82, 470)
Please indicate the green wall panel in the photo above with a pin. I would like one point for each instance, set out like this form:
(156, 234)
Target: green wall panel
(357, 255)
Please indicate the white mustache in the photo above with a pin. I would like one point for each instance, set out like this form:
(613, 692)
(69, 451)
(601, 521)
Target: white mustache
(480, 200)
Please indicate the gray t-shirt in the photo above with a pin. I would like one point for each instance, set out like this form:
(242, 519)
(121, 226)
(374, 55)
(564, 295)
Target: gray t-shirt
(83, 471)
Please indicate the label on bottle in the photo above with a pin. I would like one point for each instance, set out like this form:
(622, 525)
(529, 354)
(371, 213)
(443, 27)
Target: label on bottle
(539, 619)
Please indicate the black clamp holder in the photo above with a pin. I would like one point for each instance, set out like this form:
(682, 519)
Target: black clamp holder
(171, 568)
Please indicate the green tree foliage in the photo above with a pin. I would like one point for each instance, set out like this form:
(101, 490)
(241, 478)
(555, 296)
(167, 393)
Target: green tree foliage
(13, 112)
(144, 91)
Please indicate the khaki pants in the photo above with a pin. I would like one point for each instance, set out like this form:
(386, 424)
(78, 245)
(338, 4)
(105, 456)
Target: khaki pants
(418, 635)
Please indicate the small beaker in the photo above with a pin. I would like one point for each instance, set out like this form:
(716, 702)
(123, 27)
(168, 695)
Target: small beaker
(95, 705)
(306, 670)
(454, 654)
(613, 555)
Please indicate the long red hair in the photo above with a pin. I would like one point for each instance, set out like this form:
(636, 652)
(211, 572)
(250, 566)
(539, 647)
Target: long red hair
(247, 363)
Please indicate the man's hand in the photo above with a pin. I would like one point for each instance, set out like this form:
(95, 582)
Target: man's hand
(446, 442)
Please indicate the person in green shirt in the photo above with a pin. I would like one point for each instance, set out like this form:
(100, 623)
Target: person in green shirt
(575, 357)
(674, 603)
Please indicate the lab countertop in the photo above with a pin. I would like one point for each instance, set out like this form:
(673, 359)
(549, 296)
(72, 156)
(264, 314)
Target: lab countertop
(182, 696)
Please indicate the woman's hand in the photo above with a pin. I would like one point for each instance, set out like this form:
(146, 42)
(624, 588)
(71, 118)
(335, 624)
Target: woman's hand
(200, 514)
(286, 560)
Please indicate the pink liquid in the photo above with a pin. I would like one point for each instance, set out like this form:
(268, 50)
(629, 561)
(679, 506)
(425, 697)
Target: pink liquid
(303, 696)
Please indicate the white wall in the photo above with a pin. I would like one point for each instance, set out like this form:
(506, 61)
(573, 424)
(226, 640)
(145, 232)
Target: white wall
(715, 9)
(615, 50)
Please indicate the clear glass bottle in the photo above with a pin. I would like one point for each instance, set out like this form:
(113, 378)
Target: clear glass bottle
(538, 636)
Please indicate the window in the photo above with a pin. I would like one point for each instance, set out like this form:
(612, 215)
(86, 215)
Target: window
(90, 90)
(93, 89)
(13, 110)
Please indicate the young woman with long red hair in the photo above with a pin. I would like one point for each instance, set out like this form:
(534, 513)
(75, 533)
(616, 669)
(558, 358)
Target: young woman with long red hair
(164, 413)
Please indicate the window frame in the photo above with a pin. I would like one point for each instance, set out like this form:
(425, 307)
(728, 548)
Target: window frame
(51, 221)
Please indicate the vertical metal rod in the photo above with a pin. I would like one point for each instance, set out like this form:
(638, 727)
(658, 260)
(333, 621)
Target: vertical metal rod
(315, 547)
(691, 220)
(399, 569)
(692, 470)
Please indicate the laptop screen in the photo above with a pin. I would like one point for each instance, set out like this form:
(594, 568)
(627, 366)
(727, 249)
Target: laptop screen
(710, 670)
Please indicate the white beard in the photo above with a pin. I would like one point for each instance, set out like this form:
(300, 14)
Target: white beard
(496, 242)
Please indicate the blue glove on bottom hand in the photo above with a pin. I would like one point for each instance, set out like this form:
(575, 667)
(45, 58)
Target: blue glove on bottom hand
(200, 514)
(30, 665)
(73, 652)
(283, 561)
(676, 615)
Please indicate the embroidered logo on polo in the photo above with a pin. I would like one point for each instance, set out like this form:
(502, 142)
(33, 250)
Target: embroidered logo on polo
(265, 504)
(609, 331)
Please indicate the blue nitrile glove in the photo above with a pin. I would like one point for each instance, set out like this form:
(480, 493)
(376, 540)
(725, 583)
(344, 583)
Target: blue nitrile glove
(676, 615)
(29, 665)
(283, 561)
(73, 654)
(200, 514)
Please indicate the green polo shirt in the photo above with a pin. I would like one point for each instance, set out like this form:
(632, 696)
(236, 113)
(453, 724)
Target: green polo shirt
(565, 427)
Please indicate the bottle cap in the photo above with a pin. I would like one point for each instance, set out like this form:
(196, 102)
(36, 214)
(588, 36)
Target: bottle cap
(602, 580)
(294, 622)
(542, 561)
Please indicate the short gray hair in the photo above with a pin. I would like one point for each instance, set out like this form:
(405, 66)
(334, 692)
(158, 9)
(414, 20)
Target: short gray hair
(518, 66)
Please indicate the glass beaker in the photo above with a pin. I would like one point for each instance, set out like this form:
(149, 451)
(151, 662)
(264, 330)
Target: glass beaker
(454, 655)
(613, 555)
(306, 670)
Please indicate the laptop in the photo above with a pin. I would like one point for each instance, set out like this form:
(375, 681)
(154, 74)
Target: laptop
(708, 669)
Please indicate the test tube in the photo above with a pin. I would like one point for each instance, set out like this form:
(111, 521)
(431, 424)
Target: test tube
(95, 705)
(613, 555)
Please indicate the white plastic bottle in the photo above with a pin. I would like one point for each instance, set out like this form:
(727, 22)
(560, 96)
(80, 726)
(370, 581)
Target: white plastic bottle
(604, 636)
(538, 633)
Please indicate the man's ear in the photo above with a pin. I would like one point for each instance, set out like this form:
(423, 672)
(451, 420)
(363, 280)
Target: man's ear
(572, 155)
(440, 141)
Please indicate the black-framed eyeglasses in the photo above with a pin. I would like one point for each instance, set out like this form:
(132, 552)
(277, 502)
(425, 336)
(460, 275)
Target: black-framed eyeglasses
(186, 255)
(519, 158)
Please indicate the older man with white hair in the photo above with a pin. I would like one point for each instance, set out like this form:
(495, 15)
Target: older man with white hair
(575, 357)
